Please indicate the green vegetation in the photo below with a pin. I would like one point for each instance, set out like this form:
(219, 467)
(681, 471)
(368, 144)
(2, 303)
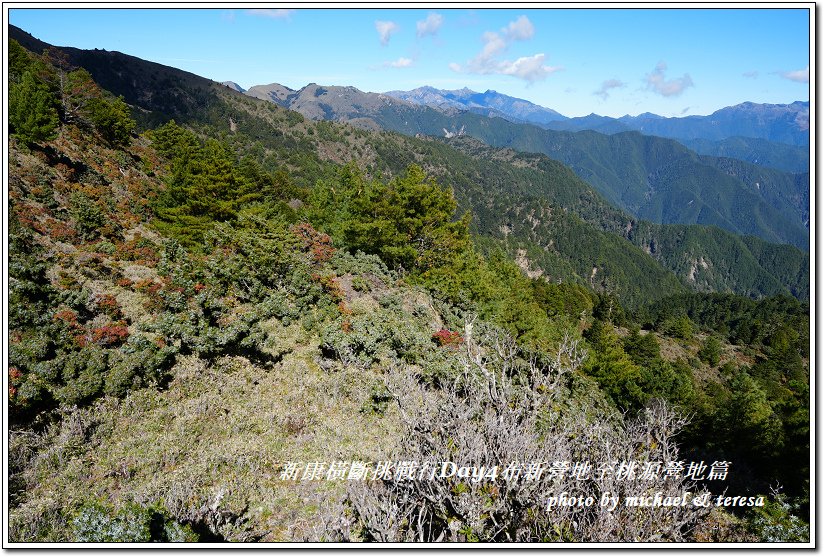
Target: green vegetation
(407, 222)
(770, 154)
(652, 178)
(34, 118)
(49, 90)
(189, 309)
(531, 195)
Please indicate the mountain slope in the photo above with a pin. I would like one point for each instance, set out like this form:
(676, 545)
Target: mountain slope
(769, 154)
(782, 123)
(190, 359)
(512, 108)
(505, 191)
(652, 178)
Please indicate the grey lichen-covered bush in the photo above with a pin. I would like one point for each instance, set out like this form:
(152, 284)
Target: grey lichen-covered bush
(360, 264)
(132, 523)
(372, 332)
(778, 521)
(510, 406)
(94, 523)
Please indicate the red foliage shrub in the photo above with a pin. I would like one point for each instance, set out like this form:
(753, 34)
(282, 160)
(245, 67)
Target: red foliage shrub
(152, 290)
(112, 334)
(143, 284)
(14, 380)
(445, 337)
(318, 244)
(14, 374)
(330, 284)
(108, 304)
(67, 316)
(138, 250)
(27, 215)
(59, 230)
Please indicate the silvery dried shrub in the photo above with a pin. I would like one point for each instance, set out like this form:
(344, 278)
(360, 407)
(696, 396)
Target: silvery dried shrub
(508, 405)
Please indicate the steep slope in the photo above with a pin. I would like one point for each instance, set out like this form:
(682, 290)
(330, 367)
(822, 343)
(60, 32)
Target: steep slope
(769, 154)
(704, 258)
(782, 123)
(504, 196)
(652, 178)
(254, 383)
(790, 192)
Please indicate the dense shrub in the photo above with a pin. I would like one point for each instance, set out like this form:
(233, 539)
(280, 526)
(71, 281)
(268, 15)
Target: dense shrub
(32, 110)
(131, 523)
(508, 409)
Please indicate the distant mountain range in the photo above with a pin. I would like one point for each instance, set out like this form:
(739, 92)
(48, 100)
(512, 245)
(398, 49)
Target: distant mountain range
(522, 202)
(650, 177)
(490, 103)
(782, 123)
(771, 135)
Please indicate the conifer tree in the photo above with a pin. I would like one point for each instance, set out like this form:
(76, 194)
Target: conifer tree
(112, 119)
(32, 112)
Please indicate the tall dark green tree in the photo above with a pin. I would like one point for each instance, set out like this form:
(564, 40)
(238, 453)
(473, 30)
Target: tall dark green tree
(32, 110)
(19, 61)
(408, 222)
(112, 119)
(616, 373)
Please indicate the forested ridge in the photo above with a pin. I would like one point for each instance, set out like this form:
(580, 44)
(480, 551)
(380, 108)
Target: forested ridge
(652, 178)
(203, 291)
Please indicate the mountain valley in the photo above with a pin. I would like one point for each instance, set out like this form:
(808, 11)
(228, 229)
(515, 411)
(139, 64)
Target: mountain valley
(242, 315)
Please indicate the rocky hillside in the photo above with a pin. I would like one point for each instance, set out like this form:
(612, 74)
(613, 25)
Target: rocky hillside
(651, 178)
(249, 326)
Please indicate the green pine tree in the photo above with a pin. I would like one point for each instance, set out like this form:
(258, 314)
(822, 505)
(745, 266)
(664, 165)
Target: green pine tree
(112, 119)
(32, 113)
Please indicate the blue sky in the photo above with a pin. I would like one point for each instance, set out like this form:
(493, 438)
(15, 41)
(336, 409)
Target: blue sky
(613, 62)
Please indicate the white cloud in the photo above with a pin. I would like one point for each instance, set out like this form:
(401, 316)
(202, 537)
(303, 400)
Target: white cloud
(280, 13)
(399, 63)
(519, 30)
(528, 68)
(603, 92)
(672, 88)
(751, 75)
(430, 25)
(494, 44)
(385, 30)
(801, 76)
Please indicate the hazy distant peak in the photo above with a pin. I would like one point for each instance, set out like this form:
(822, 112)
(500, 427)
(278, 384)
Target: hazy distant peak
(512, 108)
(233, 85)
